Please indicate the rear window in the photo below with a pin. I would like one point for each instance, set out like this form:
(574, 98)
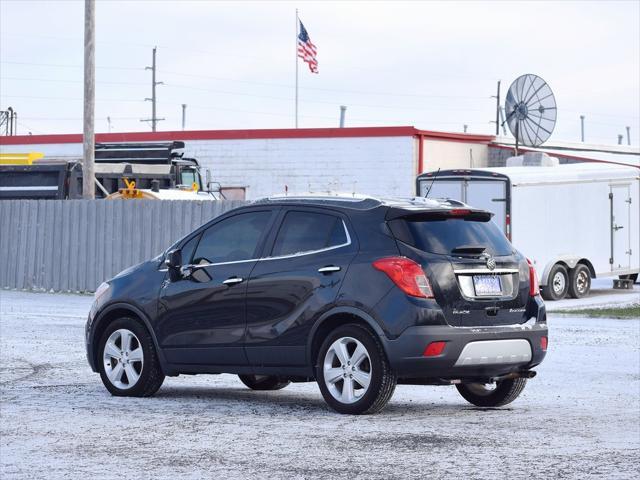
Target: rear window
(307, 232)
(444, 235)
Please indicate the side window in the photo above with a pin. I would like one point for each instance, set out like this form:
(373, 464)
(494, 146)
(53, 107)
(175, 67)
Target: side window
(305, 231)
(188, 177)
(232, 239)
(188, 248)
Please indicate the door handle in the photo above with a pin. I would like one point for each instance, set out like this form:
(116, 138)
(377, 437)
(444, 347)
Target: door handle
(233, 280)
(329, 269)
(617, 227)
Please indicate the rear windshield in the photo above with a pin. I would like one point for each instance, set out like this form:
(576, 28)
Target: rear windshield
(452, 235)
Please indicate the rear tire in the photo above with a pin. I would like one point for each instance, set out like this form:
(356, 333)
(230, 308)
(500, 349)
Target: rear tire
(557, 285)
(353, 372)
(127, 359)
(263, 382)
(579, 281)
(505, 392)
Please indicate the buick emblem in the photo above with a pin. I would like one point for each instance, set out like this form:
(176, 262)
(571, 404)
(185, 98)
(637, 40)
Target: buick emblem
(491, 262)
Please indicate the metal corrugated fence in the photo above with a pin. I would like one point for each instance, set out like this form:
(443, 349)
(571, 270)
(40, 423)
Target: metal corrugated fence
(73, 245)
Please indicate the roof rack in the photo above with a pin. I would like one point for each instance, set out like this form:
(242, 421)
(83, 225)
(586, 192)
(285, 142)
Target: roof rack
(349, 197)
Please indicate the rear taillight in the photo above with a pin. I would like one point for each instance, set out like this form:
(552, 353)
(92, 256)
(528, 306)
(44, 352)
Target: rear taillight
(434, 349)
(534, 287)
(459, 212)
(544, 342)
(407, 275)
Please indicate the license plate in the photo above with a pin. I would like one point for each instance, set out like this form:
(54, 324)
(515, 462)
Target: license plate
(487, 285)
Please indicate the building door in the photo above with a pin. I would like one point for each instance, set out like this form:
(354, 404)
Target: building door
(620, 227)
(489, 195)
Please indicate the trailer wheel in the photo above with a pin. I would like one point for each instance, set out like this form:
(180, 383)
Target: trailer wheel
(579, 281)
(632, 276)
(558, 283)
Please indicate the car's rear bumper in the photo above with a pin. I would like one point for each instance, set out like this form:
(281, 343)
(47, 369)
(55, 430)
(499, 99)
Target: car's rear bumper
(488, 359)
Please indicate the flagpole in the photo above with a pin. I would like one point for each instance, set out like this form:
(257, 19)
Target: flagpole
(297, 33)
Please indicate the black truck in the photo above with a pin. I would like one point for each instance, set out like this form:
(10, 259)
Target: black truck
(157, 166)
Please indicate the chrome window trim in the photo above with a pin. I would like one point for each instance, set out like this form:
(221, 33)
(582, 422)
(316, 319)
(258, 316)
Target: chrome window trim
(312, 252)
(485, 271)
(280, 257)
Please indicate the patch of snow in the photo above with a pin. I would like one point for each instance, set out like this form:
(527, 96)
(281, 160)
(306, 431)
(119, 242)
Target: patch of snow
(579, 417)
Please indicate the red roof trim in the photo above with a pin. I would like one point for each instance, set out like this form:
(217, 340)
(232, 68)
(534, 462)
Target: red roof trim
(247, 134)
(457, 137)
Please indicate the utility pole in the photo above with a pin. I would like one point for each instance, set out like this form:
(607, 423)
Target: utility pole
(582, 128)
(497, 97)
(184, 114)
(628, 135)
(343, 112)
(154, 120)
(88, 133)
(504, 129)
(620, 137)
(109, 123)
(464, 127)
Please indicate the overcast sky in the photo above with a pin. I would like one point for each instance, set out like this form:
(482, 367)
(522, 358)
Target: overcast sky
(429, 64)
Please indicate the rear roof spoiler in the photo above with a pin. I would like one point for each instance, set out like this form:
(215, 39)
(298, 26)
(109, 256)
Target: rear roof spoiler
(440, 213)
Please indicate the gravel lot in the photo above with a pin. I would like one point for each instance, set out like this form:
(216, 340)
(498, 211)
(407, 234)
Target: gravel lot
(579, 418)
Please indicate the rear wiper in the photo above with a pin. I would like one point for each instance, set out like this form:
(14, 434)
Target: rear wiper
(469, 249)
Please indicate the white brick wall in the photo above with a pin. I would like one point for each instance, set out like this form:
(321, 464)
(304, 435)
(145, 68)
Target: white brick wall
(373, 165)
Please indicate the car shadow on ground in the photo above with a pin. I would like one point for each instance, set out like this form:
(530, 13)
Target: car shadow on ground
(286, 401)
(249, 397)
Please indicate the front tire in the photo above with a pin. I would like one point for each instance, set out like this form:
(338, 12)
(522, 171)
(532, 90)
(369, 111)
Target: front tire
(558, 283)
(353, 372)
(263, 382)
(127, 361)
(579, 281)
(492, 395)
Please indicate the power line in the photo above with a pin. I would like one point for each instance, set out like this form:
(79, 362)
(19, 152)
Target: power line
(71, 98)
(283, 85)
(289, 86)
(49, 80)
(59, 65)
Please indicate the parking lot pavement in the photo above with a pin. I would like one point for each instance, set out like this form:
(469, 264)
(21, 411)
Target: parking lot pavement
(579, 417)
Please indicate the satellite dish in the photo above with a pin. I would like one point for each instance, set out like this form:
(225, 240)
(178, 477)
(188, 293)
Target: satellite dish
(530, 110)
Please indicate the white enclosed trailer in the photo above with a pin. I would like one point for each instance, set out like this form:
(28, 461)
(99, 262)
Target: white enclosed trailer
(574, 222)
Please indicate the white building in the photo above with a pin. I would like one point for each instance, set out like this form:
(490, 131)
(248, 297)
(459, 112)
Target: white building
(374, 160)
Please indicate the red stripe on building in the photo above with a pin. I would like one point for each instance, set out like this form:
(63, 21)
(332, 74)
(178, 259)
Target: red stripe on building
(249, 134)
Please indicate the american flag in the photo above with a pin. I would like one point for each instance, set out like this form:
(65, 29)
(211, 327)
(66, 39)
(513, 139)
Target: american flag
(307, 50)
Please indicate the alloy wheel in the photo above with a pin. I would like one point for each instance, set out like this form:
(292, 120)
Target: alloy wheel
(482, 389)
(123, 359)
(347, 370)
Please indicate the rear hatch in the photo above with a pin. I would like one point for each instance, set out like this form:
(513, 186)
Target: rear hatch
(478, 278)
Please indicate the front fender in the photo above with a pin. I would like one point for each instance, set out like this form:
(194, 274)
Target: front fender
(103, 315)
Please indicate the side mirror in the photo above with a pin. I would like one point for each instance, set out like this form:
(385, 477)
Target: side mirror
(207, 175)
(174, 259)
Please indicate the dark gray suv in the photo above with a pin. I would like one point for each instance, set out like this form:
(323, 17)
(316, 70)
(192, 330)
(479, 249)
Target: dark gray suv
(358, 294)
